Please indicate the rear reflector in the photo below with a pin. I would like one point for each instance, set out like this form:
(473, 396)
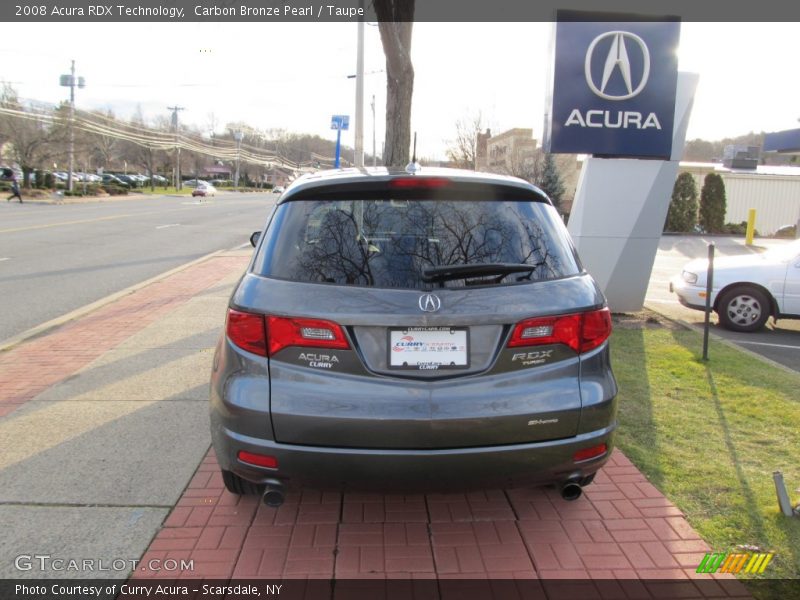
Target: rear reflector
(588, 453)
(581, 332)
(259, 460)
(283, 332)
(247, 331)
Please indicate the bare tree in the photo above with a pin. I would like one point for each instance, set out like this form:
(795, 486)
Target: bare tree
(395, 21)
(463, 151)
(27, 132)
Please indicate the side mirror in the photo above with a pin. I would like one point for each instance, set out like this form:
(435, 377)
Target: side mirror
(254, 238)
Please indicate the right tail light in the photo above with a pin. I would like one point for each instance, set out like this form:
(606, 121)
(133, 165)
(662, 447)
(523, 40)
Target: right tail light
(580, 331)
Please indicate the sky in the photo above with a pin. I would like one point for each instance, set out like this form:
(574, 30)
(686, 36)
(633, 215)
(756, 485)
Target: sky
(294, 76)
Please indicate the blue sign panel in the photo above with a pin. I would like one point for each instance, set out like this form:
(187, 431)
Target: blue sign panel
(340, 122)
(613, 87)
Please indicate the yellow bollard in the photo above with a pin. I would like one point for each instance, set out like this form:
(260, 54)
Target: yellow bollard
(751, 226)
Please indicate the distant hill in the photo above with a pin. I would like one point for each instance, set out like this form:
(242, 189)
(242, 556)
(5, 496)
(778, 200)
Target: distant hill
(704, 151)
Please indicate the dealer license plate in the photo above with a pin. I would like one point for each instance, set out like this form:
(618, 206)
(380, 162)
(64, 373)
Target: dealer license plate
(429, 348)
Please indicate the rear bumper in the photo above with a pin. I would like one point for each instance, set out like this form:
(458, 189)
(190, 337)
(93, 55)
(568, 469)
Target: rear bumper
(413, 470)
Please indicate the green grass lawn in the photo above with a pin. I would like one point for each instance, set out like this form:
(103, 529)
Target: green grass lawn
(710, 434)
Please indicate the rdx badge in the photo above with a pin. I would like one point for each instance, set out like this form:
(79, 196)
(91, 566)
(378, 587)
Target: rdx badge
(535, 357)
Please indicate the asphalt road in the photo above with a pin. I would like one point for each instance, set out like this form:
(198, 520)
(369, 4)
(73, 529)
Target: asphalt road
(56, 258)
(778, 341)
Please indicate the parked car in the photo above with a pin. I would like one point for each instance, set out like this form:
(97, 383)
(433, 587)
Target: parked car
(204, 189)
(748, 289)
(787, 231)
(110, 179)
(426, 331)
(278, 189)
(129, 179)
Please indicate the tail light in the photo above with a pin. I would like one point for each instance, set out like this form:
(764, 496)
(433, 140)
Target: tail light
(581, 332)
(310, 333)
(247, 331)
(266, 336)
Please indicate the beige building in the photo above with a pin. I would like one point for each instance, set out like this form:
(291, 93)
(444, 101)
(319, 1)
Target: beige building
(512, 152)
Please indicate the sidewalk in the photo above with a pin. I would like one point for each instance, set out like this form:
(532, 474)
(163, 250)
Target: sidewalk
(104, 453)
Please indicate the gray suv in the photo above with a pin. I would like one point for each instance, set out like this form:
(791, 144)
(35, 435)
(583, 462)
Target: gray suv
(431, 330)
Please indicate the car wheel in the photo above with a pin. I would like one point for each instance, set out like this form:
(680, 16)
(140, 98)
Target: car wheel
(236, 485)
(743, 308)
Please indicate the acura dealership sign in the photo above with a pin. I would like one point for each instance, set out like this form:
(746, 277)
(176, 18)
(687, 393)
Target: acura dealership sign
(612, 87)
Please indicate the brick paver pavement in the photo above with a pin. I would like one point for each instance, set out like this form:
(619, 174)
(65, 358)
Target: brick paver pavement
(34, 366)
(621, 536)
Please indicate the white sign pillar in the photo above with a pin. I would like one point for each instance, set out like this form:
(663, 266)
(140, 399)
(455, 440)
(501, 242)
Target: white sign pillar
(619, 212)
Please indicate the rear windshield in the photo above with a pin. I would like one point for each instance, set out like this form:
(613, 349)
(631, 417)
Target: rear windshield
(390, 243)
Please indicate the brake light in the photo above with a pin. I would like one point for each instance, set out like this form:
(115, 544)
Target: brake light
(247, 331)
(313, 333)
(419, 182)
(581, 332)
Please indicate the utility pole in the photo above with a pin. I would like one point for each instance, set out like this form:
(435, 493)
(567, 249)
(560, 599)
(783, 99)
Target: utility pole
(238, 137)
(175, 109)
(70, 81)
(359, 133)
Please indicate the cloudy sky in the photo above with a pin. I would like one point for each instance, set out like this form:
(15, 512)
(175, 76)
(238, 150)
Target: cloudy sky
(293, 76)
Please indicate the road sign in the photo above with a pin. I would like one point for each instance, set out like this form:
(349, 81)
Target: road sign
(340, 122)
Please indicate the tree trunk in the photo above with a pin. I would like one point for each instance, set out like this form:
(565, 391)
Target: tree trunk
(395, 21)
(399, 90)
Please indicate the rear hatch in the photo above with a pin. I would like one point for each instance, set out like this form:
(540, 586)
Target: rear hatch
(421, 314)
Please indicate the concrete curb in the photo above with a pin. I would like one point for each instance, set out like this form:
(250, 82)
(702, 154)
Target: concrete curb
(39, 330)
(722, 340)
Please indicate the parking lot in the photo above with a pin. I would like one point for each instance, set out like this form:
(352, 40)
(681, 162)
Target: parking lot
(780, 342)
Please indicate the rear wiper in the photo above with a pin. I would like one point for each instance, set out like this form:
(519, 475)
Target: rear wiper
(448, 272)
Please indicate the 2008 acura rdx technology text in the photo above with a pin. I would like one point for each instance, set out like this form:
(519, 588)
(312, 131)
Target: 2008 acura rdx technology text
(431, 330)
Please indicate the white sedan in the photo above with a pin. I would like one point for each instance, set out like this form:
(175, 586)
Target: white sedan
(746, 289)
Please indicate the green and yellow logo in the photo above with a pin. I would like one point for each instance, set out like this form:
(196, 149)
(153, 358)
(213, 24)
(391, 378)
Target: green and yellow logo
(730, 562)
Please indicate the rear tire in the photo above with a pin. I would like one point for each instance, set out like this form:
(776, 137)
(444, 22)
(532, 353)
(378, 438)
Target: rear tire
(743, 308)
(236, 485)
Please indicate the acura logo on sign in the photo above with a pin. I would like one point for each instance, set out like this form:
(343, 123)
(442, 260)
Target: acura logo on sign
(429, 303)
(618, 61)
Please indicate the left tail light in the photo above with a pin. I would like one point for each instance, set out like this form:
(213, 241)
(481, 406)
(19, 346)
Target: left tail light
(266, 335)
(248, 331)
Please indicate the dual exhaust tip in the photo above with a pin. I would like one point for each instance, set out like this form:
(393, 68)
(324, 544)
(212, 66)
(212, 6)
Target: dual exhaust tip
(274, 493)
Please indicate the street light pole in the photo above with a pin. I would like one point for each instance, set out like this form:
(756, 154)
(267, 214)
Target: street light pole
(374, 155)
(359, 132)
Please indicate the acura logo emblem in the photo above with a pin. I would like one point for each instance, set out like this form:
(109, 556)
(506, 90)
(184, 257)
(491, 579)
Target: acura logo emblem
(618, 59)
(429, 303)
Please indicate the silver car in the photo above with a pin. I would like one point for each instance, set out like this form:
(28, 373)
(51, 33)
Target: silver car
(431, 330)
